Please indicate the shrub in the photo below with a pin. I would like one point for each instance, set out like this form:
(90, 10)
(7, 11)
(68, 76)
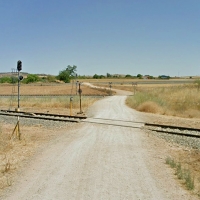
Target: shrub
(31, 78)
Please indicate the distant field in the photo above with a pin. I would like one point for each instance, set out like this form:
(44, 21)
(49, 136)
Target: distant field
(140, 81)
(49, 89)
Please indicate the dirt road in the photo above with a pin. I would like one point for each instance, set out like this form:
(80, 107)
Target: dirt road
(99, 161)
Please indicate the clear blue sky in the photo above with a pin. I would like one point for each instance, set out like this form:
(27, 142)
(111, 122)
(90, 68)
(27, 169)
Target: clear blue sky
(152, 37)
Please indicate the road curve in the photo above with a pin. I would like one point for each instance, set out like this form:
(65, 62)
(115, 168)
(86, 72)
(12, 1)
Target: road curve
(98, 161)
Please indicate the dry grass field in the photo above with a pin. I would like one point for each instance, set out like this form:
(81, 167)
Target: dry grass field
(49, 89)
(50, 102)
(177, 100)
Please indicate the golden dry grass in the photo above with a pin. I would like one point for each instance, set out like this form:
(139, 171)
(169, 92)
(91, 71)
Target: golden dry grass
(50, 89)
(180, 100)
(52, 104)
(59, 105)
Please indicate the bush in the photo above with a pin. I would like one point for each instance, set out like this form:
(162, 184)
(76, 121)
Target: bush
(31, 78)
(5, 79)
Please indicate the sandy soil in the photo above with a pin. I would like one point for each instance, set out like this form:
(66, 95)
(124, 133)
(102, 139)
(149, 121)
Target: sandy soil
(98, 160)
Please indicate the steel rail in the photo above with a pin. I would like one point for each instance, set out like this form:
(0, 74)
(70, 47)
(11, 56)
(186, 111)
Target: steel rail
(176, 133)
(45, 114)
(175, 128)
(172, 127)
(40, 117)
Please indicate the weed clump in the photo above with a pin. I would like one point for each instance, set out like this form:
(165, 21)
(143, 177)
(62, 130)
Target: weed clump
(181, 173)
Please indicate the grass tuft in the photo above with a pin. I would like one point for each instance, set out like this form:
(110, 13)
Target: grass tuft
(182, 174)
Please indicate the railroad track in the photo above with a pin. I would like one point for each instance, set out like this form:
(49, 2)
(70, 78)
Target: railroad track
(175, 130)
(43, 116)
(168, 129)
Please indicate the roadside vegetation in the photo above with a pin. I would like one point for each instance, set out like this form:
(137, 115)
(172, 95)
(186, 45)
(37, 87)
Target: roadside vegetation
(182, 100)
(182, 174)
(49, 104)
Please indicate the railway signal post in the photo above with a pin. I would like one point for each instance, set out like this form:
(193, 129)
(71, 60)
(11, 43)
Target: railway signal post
(20, 78)
(77, 86)
(71, 99)
(134, 84)
(110, 85)
(80, 92)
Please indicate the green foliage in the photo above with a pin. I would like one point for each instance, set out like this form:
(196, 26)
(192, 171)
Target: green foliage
(67, 74)
(151, 77)
(128, 76)
(14, 79)
(64, 76)
(189, 180)
(170, 162)
(139, 76)
(31, 78)
(51, 78)
(108, 75)
(183, 174)
(5, 80)
(98, 76)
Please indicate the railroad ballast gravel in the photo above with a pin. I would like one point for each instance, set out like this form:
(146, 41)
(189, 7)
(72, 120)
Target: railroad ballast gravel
(172, 138)
(35, 122)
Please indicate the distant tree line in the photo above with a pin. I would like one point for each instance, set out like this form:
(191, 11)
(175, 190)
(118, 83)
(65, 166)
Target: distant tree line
(70, 73)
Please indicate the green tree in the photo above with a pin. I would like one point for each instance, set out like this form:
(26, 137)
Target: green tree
(139, 76)
(128, 76)
(96, 76)
(108, 75)
(67, 74)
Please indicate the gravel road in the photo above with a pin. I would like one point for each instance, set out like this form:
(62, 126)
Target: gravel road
(100, 159)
